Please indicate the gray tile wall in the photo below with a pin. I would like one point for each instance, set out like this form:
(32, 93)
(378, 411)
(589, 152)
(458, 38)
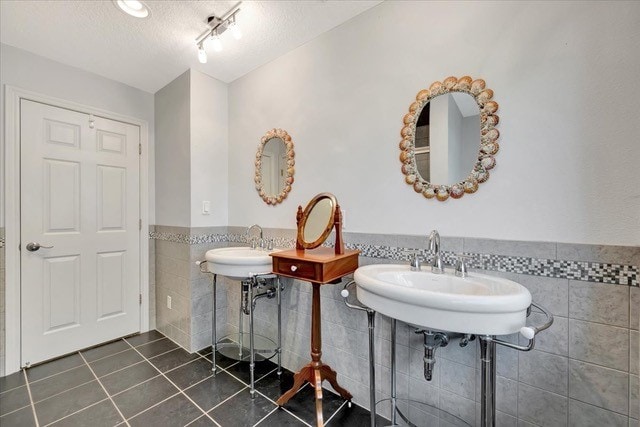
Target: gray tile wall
(188, 322)
(172, 280)
(583, 371)
(2, 303)
(152, 280)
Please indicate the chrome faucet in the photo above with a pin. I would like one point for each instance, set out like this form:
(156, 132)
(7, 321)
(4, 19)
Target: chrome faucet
(434, 246)
(414, 261)
(461, 266)
(253, 241)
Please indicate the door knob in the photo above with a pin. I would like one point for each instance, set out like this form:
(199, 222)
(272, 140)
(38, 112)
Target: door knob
(33, 246)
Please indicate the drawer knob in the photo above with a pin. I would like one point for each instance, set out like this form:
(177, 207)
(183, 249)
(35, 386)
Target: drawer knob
(294, 268)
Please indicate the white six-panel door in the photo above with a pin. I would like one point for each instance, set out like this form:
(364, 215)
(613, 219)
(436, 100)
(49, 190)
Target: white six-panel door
(79, 195)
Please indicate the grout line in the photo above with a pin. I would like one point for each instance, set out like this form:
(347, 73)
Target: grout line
(135, 385)
(15, 410)
(265, 417)
(213, 375)
(174, 384)
(33, 406)
(78, 352)
(597, 323)
(256, 381)
(599, 407)
(283, 408)
(79, 410)
(154, 405)
(228, 398)
(64, 391)
(185, 364)
(159, 354)
(201, 416)
(144, 343)
(104, 389)
(122, 369)
(104, 357)
(57, 373)
(337, 410)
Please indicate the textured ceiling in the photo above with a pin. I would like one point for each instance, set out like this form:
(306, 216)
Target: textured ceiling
(149, 53)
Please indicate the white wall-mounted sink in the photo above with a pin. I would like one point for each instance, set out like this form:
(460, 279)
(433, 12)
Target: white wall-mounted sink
(238, 263)
(477, 304)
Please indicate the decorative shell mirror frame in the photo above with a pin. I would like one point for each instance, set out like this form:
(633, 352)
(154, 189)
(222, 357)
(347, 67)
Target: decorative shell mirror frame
(275, 161)
(449, 138)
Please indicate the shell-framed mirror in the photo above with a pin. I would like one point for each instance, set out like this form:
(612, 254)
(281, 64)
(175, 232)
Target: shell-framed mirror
(449, 138)
(274, 166)
(321, 215)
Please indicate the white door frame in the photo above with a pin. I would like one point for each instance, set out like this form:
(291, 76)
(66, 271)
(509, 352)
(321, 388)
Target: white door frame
(13, 95)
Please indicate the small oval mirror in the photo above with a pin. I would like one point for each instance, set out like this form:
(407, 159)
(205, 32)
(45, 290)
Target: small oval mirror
(317, 221)
(274, 166)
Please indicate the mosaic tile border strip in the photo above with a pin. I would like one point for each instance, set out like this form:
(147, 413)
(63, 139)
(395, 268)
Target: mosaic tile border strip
(190, 239)
(616, 274)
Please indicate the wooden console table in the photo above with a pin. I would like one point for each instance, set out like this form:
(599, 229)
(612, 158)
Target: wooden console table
(318, 266)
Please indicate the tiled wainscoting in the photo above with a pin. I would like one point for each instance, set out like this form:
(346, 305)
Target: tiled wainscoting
(583, 371)
(2, 303)
(177, 276)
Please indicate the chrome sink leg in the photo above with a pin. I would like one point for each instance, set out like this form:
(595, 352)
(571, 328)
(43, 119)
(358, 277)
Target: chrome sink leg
(488, 391)
(252, 363)
(214, 336)
(241, 322)
(371, 318)
(393, 374)
(279, 300)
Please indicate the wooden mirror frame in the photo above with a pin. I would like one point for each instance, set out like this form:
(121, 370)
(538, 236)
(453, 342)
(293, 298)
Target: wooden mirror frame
(488, 146)
(335, 220)
(289, 153)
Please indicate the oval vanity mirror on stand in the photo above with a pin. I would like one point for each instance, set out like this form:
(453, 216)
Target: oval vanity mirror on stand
(320, 266)
(274, 166)
(315, 223)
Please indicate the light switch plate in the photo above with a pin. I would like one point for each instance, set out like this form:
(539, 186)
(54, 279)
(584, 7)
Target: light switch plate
(206, 207)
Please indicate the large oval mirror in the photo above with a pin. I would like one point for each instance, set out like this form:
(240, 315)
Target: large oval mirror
(449, 138)
(274, 166)
(317, 221)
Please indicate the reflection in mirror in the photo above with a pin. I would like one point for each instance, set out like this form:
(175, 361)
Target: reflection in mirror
(446, 142)
(321, 214)
(274, 166)
(449, 138)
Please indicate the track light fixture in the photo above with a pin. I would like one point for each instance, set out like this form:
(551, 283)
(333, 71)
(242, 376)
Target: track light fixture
(202, 55)
(217, 26)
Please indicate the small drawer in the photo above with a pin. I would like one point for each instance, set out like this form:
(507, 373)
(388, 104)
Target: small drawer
(296, 268)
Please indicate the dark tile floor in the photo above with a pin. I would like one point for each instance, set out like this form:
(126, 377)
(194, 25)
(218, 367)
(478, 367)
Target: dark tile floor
(147, 380)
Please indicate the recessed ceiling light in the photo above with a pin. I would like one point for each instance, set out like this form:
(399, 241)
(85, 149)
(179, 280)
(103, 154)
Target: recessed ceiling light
(134, 8)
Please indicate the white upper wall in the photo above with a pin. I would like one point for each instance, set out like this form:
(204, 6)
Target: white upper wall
(565, 76)
(37, 74)
(173, 152)
(209, 150)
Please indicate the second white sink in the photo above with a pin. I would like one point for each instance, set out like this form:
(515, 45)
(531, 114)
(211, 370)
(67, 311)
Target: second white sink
(477, 304)
(238, 263)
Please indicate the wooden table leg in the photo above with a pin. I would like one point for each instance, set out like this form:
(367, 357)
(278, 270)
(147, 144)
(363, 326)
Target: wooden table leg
(298, 381)
(315, 372)
(318, 386)
(330, 375)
